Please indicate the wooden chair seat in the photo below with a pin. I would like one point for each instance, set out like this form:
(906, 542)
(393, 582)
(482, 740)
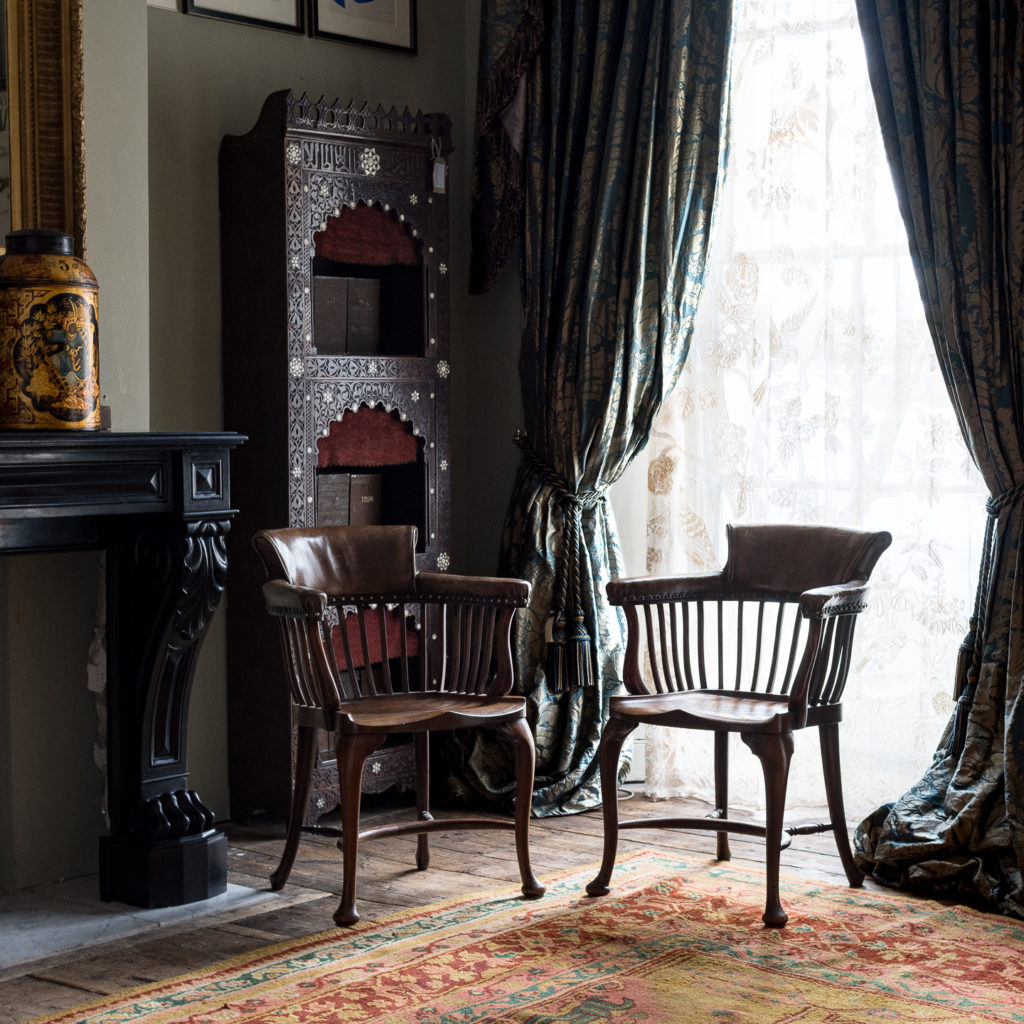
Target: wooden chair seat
(706, 709)
(420, 712)
(760, 649)
(372, 647)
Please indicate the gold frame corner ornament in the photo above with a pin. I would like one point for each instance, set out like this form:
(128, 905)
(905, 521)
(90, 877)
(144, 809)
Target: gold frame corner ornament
(45, 84)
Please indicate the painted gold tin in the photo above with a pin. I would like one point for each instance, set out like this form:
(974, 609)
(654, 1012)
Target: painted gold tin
(49, 337)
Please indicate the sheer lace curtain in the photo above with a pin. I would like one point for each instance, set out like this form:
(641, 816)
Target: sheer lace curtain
(812, 394)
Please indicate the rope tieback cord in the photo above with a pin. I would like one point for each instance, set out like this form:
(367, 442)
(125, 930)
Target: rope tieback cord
(569, 649)
(973, 647)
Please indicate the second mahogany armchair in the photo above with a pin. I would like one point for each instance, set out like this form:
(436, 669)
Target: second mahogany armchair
(761, 649)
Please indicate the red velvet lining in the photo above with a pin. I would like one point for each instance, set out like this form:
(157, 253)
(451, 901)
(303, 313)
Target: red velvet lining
(367, 437)
(392, 627)
(367, 235)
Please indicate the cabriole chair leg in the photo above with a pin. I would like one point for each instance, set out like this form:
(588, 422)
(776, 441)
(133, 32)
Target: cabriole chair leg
(614, 735)
(352, 752)
(522, 740)
(305, 755)
(829, 738)
(774, 752)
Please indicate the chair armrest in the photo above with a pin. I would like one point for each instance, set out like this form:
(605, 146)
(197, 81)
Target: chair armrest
(289, 601)
(839, 599)
(647, 589)
(482, 589)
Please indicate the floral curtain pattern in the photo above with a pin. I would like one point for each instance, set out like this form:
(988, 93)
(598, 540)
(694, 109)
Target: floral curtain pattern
(623, 137)
(811, 394)
(948, 82)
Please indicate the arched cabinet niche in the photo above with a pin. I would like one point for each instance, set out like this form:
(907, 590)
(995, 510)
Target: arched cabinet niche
(335, 307)
(370, 469)
(368, 286)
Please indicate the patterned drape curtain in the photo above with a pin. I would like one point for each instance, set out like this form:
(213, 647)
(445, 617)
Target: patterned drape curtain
(622, 139)
(948, 81)
(811, 393)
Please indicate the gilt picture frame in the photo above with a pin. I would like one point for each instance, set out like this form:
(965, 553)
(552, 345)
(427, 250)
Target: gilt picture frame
(390, 24)
(46, 116)
(281, 14)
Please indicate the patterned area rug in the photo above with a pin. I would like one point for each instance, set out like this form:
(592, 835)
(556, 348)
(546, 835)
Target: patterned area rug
(673, 942)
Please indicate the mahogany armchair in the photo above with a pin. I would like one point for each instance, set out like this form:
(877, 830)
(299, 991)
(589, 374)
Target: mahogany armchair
(762, 649)
(374, 648)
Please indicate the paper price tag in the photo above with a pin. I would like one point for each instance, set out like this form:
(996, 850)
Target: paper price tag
(440, 168)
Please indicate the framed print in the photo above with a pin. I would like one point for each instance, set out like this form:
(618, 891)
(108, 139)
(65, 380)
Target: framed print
(388, 23)
(284, 14)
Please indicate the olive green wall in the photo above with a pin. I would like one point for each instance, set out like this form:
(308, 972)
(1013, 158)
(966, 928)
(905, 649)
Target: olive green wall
(117, 201)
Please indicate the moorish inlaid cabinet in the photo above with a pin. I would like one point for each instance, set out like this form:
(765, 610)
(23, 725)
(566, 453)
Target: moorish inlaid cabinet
(335, 304)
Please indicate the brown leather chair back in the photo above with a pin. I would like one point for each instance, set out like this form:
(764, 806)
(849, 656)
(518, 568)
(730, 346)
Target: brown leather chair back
(789, 560)
(353, 560)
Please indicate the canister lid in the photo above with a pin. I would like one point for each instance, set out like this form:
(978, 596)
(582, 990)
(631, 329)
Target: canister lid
(40, 240)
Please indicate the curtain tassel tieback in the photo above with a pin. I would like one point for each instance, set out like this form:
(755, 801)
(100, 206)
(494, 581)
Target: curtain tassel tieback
(570, 648)
(969, 657)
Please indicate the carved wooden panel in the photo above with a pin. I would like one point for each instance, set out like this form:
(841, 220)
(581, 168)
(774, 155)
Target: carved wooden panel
(289, 180)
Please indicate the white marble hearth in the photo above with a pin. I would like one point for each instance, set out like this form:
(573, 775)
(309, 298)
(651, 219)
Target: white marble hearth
(62, 917)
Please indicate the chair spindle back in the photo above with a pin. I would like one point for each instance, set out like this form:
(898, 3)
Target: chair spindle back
(754, 627)
(728, 643)
(368, 624)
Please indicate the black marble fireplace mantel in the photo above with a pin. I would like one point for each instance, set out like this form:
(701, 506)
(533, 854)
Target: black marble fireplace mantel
(159, 505)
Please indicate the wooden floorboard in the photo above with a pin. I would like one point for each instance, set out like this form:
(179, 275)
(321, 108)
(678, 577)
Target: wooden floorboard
(460, 862)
